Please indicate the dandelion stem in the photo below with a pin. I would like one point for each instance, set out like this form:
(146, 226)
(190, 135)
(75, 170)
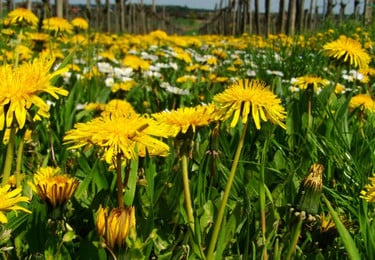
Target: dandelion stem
(185, 179)
(295, 237)
(19, 160)
(120, 197)
(228, 187)
(262, 202)
(9, 156)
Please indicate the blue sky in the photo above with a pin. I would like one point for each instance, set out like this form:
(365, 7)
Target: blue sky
(210, 4)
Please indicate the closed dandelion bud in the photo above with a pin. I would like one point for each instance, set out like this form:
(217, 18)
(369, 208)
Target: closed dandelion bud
(53, 187)
(116, 226)
(310, 190)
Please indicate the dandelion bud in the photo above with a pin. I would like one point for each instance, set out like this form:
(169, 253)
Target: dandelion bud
(311, 190)
(116, 226)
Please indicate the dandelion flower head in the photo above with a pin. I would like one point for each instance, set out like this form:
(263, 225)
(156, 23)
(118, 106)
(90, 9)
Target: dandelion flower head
(120, 135)
(22, 16)
(349, 51)
(9, 201)
(305, 81)
(53, 187)
(181, 119)
(20, 87)
(363, 101)
(57, 25)
(368, 193)
(250, 97)
(80, 23)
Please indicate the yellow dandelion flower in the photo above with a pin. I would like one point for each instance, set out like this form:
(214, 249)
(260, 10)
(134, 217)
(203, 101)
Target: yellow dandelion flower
(305, 81)
(186, 78)
(22, 16)
(116, 226)
(159, 35)
(114, 107)
(120, 135)
(9, 200)
(20, 87)
(182, 119)
(80, 23)
(57, 25)
(365, 102)
(368, 193)
(38, 37)
(125, 85)
(349, 51)
(53, 187)
(367, 74)
(245, 98)
(135, 63)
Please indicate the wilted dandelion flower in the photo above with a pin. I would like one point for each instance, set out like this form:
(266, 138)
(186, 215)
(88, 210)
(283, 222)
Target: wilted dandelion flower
(80, 23)
(53, 187)
(20, 87)
(368, 193)
(22, 16)
(306, 81)
(365, 102)
(310, 190)
(250, 97)
(116, 226)
(9, 200)
(120, 135)
(348, 51)
(57, 25)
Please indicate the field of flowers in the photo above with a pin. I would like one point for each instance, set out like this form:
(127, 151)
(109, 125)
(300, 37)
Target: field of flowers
(185, 147)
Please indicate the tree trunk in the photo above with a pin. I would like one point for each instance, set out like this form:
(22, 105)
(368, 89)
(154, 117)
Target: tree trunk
(108, 15)
(300, 14)
(250, 12)
(268, 17)
(368, 12)
(330, 6)
(356, 8)
(342, 11)
(281, 17)
(59, 8)
(311, 20)
(292, 17)
(257, 18)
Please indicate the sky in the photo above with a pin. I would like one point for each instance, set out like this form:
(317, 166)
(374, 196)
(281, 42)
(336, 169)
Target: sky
(210, 4)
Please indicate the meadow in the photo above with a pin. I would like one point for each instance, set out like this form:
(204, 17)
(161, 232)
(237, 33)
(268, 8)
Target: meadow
(119, 146)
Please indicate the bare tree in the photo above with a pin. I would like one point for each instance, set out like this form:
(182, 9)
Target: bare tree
(342, 10)
(281, 17)
(300, 14)
(330, 6)
(292, 17)
(368, 12)
(257, 17)
(311, 19)
(268, 17)
(59, 8)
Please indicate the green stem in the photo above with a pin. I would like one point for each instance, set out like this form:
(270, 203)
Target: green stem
(228, 187)
(262, 202)
(19, 161)
(185, 179)
(346, 238)
(9, 156)
(295, 237)
(120, 197)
